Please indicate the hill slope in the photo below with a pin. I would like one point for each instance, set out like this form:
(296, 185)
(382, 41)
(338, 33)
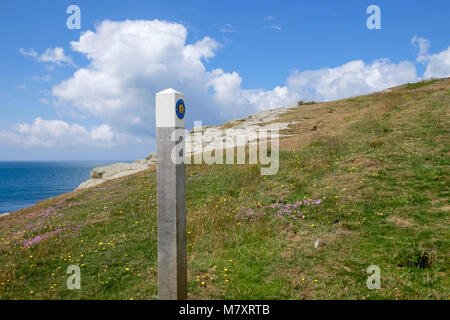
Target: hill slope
(366, 175)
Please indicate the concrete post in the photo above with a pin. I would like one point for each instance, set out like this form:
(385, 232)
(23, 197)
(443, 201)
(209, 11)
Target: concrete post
(170, 125)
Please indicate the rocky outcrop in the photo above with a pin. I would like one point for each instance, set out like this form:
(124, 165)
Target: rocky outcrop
(211, 137)
(117, 170)
(305, 103)
(214, 137)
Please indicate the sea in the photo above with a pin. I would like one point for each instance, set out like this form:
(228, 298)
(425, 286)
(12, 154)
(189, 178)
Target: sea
(22, 184)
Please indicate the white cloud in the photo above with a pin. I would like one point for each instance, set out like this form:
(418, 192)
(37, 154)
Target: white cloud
(44, 78)
(56, 56)
(28, 53)
(227, 86)
(130, 61)
(275, 27)
(102, 133)
(228, 92)
(57, 133)
(228, 28)
(423, 45)
(438, 65)
(21, 86)
(203, 49)
(267, 99)
(52, 55)
(351, 79)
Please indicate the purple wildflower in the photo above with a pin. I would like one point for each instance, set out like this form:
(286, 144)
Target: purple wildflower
(41, 237)
(297, 204)
(319, 201)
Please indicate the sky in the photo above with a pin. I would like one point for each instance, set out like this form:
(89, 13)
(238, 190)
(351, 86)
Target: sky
(89, 93)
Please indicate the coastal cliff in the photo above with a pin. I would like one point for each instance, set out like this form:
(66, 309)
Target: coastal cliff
(117, 170)
(211, 135)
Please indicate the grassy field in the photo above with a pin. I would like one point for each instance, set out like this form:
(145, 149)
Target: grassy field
(366, 175)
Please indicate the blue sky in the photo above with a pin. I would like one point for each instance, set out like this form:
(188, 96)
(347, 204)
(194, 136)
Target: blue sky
(230, 59)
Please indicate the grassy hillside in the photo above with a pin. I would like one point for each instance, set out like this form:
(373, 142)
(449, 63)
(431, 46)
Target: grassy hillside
(372, 169)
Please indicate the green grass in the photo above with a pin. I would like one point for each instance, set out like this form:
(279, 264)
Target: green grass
(412, 86)
(383, 181)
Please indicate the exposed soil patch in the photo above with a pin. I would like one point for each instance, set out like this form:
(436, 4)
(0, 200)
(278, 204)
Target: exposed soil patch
(400, 222)
(365, 162)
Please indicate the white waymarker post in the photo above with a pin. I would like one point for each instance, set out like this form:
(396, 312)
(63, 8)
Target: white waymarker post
(171, 184)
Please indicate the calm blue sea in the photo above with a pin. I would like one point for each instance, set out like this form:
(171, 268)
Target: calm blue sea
(23, 184)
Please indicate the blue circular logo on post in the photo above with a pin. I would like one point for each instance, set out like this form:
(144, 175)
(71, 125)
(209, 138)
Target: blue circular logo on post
(180, 108)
